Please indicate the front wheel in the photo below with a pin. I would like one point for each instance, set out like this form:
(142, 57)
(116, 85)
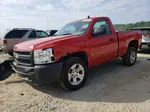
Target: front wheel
(74, 74)
(130, 58)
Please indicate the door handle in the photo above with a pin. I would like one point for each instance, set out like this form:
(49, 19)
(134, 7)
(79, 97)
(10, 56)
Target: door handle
(111, 39)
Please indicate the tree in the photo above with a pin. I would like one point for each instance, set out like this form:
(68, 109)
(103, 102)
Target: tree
(124, 27)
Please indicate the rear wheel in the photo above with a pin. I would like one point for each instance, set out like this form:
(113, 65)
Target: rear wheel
(74, 74)
(130, 58)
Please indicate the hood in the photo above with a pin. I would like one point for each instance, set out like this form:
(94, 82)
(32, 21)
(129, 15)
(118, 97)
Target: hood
(41, 43)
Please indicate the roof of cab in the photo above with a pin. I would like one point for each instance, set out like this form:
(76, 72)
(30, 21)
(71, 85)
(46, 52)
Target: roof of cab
(91, 18)
(23, 29)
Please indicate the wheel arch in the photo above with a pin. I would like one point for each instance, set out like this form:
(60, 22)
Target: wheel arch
(133, 43)
(80, 54)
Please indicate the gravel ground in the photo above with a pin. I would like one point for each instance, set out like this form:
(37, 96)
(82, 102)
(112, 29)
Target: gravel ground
(110, 87)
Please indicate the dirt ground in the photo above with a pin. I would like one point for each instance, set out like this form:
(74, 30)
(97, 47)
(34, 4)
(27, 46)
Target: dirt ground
(111, 87)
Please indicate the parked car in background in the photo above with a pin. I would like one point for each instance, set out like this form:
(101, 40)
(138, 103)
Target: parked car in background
(51, 32)
(145, 35)
(17, 35)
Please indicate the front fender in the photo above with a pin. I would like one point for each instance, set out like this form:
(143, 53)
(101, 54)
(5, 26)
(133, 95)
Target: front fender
(70, 46)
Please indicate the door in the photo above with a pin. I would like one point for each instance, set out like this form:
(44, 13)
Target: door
(104, 45)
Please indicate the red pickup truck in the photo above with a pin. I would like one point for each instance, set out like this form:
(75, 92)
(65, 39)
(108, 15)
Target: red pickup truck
(79, 45)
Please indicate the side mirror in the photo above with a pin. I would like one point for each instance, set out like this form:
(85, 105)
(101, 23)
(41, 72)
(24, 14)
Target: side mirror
(99, 31)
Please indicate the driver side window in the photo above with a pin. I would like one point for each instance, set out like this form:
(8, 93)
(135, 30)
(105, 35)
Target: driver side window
(102, 24)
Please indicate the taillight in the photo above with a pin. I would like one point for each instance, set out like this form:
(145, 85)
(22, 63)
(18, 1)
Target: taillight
(4, 41)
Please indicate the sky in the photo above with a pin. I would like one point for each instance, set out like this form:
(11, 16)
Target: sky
(53, 14)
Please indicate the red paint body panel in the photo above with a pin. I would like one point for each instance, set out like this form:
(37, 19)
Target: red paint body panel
(98, 50)
(125, 38)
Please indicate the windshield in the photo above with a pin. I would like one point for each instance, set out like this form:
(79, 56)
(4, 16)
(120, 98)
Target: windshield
(75, 28)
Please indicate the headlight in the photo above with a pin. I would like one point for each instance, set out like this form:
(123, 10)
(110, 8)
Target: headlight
(44, 56)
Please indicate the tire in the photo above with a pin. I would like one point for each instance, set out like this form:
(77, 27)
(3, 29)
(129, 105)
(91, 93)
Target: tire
(10, 53)
(130, 58)
(72, 77)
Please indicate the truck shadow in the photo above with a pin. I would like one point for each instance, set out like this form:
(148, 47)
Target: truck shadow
(144, 51)
(109, 82)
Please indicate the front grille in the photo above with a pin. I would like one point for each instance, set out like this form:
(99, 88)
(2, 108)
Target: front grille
(19, 69)
(24, 57)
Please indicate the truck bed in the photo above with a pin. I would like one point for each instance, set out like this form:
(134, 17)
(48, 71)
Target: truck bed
(124, 37)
